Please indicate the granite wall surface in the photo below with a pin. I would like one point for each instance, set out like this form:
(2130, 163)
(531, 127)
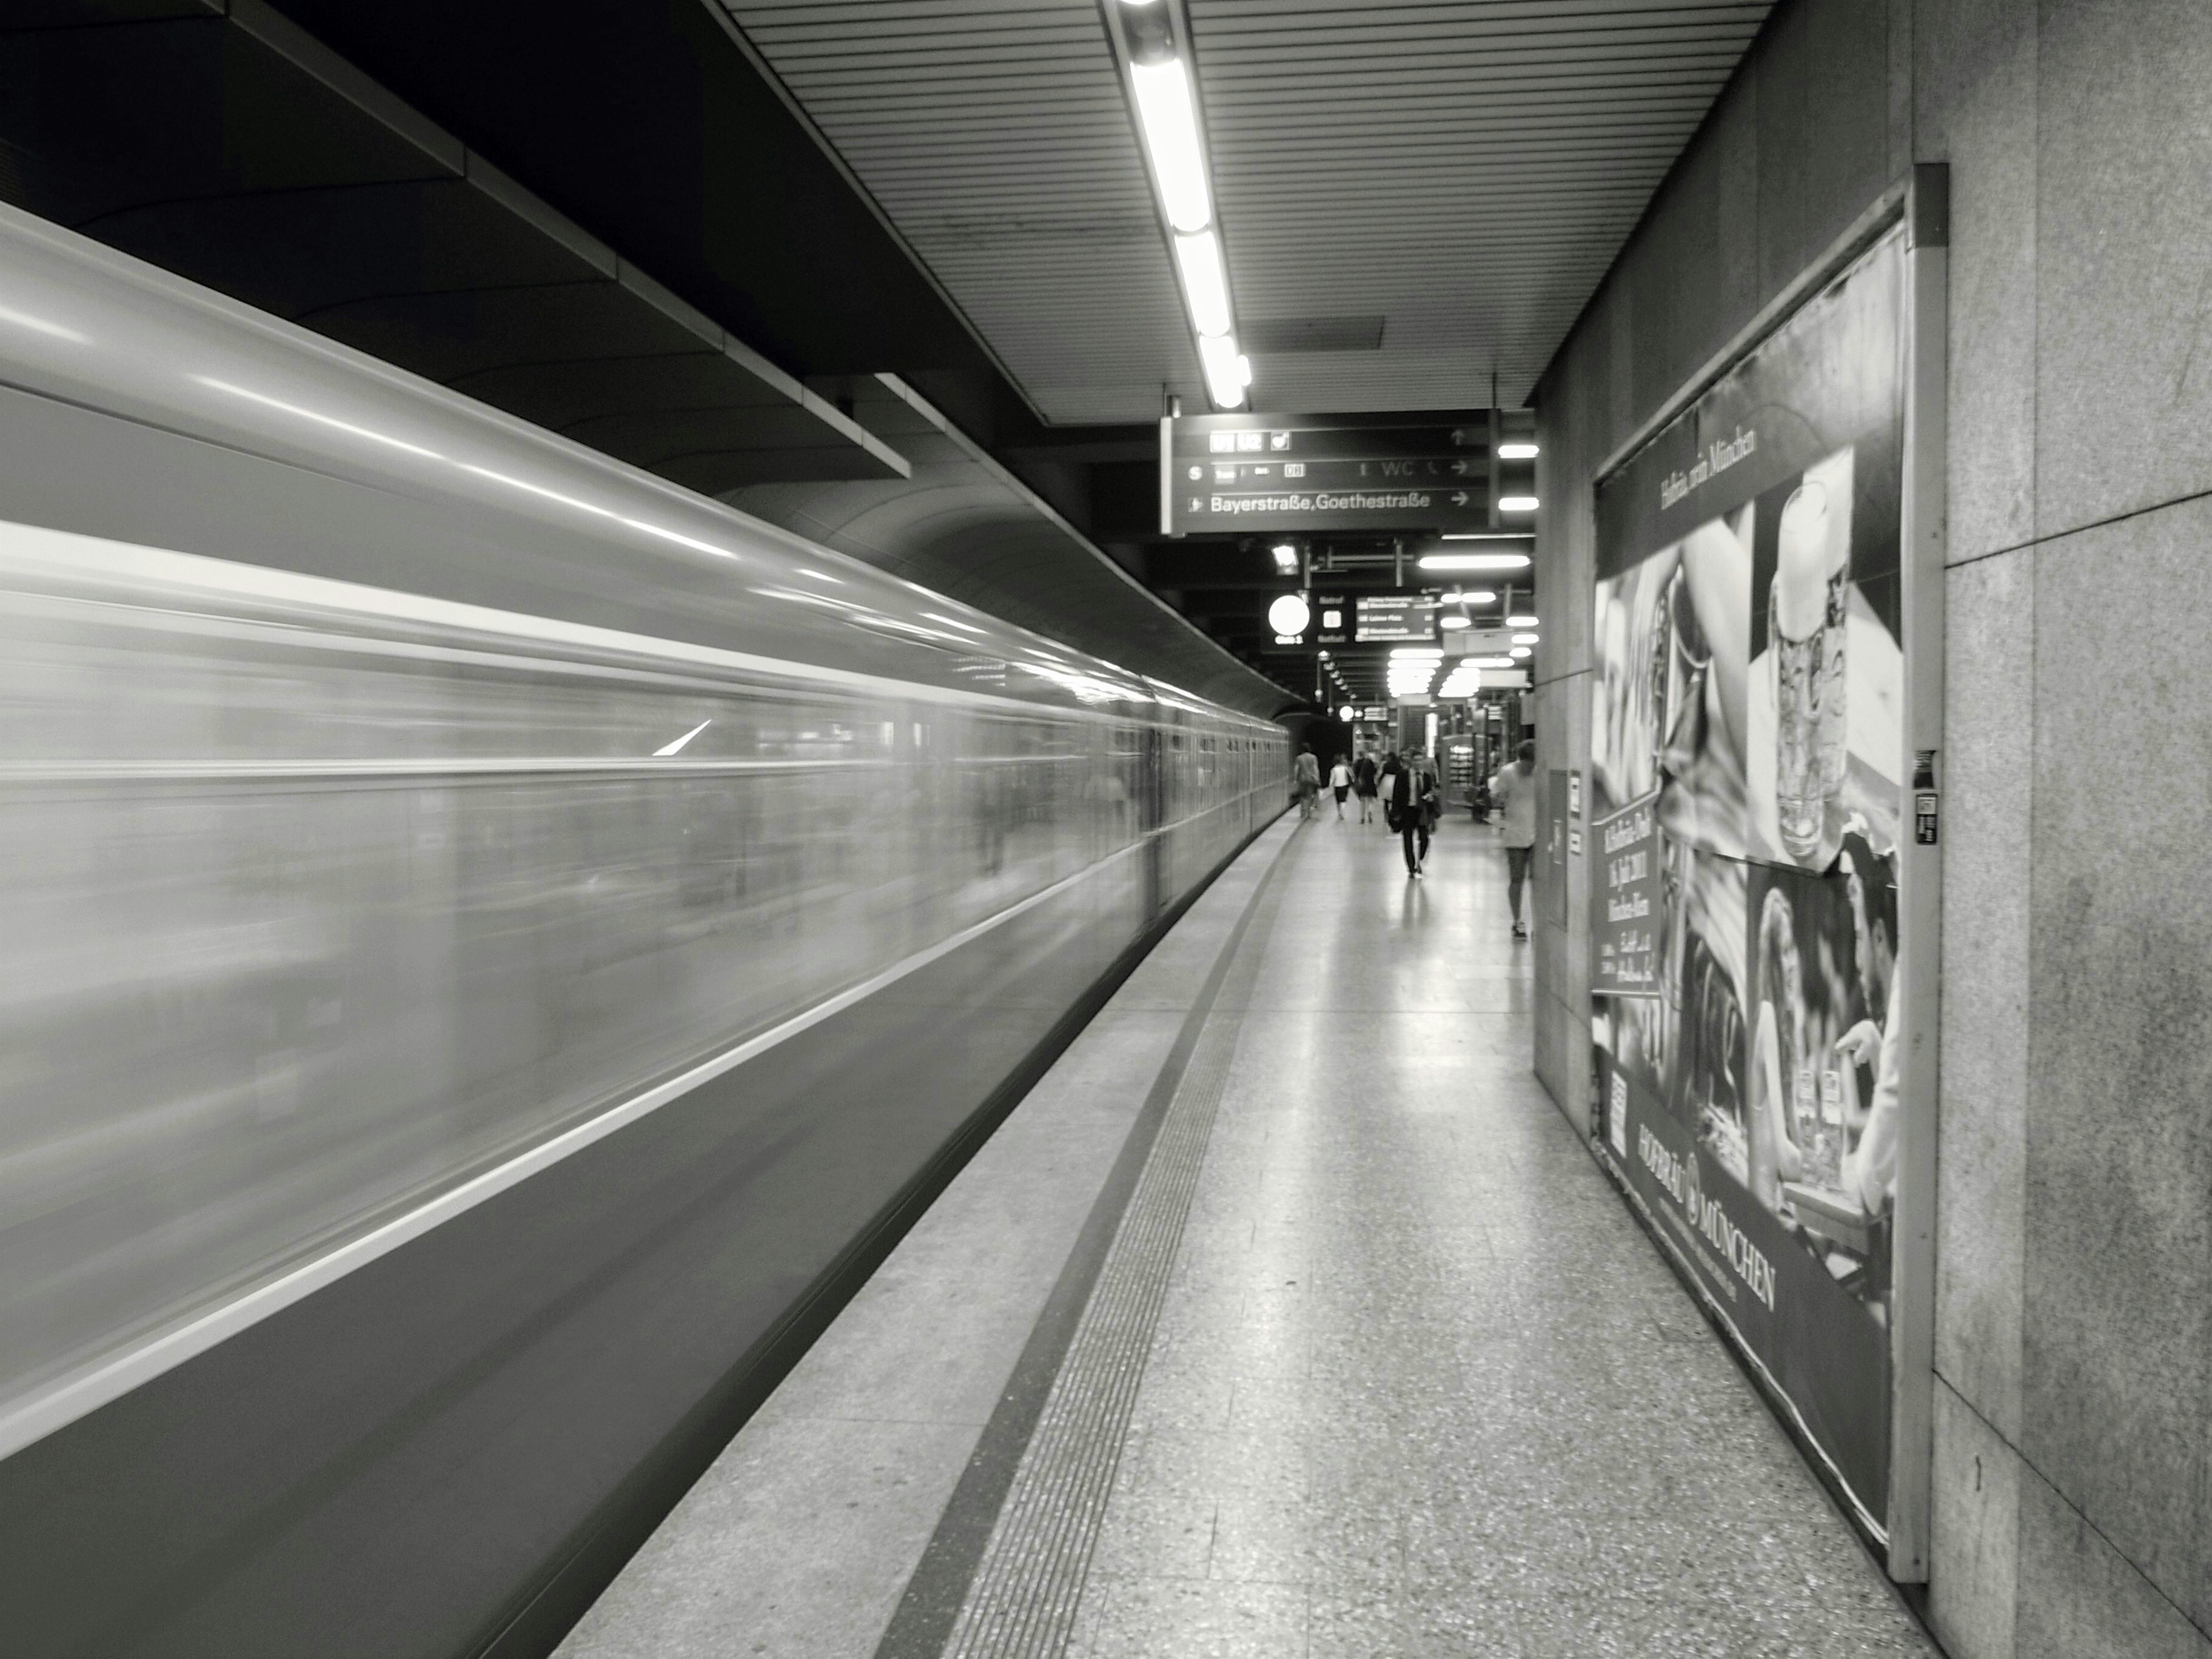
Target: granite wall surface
(2073, 1490)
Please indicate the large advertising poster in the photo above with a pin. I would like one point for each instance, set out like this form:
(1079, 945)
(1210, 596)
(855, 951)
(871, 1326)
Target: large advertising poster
(1746, 764)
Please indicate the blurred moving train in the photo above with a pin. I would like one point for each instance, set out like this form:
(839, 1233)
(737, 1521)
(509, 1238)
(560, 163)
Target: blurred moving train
(490, 938)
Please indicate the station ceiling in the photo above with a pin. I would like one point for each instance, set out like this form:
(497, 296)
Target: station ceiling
(889, 270)
(1414, 196)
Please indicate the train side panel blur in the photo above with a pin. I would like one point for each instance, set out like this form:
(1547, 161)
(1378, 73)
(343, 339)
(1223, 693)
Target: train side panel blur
(493, 944)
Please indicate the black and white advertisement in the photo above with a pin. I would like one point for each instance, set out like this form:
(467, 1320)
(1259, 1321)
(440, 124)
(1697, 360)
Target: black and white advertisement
(1747, 769)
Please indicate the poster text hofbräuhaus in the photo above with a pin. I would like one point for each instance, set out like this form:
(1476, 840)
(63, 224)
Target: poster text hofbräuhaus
(1676, 1175)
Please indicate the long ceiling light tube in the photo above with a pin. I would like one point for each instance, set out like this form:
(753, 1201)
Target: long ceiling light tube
(1205, 283)
(1154, 49)
(1227, 373)
(1168, 116)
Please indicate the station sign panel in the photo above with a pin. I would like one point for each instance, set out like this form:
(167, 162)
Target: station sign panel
(1395, 618)
(1277, 473)
(1333, 619)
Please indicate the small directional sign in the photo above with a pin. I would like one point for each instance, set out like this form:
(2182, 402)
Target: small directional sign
(1316, 473)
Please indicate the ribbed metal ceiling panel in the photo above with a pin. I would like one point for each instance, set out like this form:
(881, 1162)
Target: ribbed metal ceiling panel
(994, 135)
(1466, 170)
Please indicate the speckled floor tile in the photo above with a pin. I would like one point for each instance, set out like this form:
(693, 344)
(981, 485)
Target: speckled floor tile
(1471, 1411)
(1145, 1617)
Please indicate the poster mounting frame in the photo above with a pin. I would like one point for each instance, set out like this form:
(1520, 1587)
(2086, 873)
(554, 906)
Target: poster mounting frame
(1920, 201)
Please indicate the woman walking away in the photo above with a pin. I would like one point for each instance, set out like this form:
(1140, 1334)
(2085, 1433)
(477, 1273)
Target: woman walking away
(1514, 791)
(1340, 784)
(1413, 799)
(1309, 782)
(1363, 780)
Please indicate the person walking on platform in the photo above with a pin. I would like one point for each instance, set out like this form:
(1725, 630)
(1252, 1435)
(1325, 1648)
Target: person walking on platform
(1363, 780)
(1309, 776)
(1514, 790)
(1339, 785)
(1413, 799)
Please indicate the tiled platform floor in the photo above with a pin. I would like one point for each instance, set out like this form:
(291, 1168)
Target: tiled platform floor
(1420, 1386)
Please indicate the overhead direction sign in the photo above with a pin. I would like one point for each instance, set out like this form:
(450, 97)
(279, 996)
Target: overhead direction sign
(1396, 618)
(1321, 472)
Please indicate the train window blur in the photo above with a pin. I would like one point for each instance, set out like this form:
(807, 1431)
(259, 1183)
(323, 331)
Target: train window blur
(338, 907)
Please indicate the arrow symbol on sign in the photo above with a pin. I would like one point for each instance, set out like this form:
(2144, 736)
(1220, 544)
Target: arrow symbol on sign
(1459, 468)
(1459, 498)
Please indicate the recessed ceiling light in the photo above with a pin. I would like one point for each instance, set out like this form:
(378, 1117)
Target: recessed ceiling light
(1517, 503)
(1453, 621)
(1526, 639)
(1516, 452)
(1520, 651)
(1520, 619)
(1474, 561)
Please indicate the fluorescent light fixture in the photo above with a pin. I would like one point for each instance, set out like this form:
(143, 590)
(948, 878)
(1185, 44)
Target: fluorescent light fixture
(1454, 622)
(1224, 383)
(1488, 662)
(1488, 536)
(1526, 639)
(1517, 503)
(1286, 556)
(1205, 283)
(1516, 452)
(1168, 118)
(1474, 562)
(1520, 619)
(1472, 596)
(1243, 369)
(1417, 653)
(1519, 652)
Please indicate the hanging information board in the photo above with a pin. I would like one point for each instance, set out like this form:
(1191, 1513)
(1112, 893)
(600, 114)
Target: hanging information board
(1395, 618)
(1317, 472)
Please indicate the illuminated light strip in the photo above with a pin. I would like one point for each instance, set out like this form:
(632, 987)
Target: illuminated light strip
(1166, 104)
(97, 1385)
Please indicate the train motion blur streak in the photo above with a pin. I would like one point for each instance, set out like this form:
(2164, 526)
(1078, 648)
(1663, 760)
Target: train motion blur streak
(394, 797)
